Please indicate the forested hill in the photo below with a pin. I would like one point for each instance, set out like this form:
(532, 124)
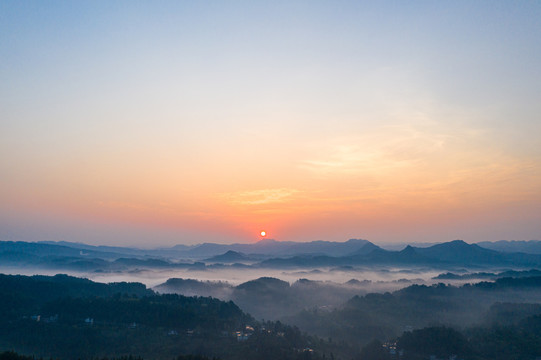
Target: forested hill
(387, 315)
(40, 288)
(67, 318)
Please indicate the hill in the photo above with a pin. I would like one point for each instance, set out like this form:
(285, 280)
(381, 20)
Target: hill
(68, 318)
(387, 315)
(269, 298)
(229, 257)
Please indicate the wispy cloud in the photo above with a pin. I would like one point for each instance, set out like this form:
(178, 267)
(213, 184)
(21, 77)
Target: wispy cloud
(381, 152)
(261, 196)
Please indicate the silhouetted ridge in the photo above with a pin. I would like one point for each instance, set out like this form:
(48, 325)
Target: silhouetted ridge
(514, 246)
(366, 248)
(458, 251)
(408, 250)
(263, 284)
(229, 257)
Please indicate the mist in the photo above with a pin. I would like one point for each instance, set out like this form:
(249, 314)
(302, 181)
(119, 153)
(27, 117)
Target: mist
(271, 294)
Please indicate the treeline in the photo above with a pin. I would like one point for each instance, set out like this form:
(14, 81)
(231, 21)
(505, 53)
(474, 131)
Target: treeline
(11, 355)
(68, 318)
(63, 317)
(521, 341)
(26, 294)
(174, 311)
(388, 315)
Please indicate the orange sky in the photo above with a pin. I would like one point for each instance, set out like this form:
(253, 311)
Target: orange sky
(310, 121)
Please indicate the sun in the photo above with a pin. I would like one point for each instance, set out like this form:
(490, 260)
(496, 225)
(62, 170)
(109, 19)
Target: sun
(263, 233)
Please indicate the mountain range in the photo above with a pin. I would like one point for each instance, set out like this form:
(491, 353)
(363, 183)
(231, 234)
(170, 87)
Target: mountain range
(263, 254)
(529, 247)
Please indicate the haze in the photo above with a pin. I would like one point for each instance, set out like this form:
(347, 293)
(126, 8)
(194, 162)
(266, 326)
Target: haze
(148, 124)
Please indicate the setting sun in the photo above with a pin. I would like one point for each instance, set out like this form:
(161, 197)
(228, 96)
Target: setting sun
(263, 233)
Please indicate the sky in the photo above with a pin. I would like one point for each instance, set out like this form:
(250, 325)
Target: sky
(181, 122)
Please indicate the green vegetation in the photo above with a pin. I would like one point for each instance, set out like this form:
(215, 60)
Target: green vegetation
(63, 317)
(386, 316)
(66, 318)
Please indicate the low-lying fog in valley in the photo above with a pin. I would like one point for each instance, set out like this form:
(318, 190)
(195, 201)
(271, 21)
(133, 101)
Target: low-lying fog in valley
(275, 280)
(276, 293)
(345, 293)
(376, 279)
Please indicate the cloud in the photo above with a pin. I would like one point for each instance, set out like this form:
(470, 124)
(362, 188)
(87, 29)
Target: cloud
(387, 150)
(261, 196)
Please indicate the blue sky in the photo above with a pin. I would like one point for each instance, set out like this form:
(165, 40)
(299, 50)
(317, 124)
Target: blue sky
(181, 122)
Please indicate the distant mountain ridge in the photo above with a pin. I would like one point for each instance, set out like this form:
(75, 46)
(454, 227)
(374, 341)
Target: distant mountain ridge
(229, 257)
(460, 251)
(455, 253)
(270, 247)
(266, 247)
(527, 247)
(263, 254)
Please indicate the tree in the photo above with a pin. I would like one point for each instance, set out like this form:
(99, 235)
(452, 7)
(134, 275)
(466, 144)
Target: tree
(374, 350)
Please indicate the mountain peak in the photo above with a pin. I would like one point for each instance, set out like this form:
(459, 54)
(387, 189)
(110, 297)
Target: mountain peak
(408, 249)
(228, 257)
(459, 251)
(458, 242)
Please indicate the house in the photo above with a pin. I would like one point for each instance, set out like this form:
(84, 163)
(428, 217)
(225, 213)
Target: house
(242, 336)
